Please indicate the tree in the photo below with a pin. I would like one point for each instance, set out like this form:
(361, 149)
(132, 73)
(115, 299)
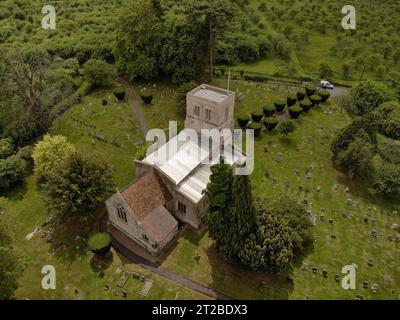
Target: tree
(270, 247)
(346, 70)
(12, 264)
(138, 41)
(325, 70)
(49, 154)
(77, 188)
(357, 158)
(213, 16)
(286, 127)
(367, 96)
(7, 148)
(242, 216)
(12, 170)
(219, 197)
(388, 115)
(387, 181)
(98, 73)
(298, 220)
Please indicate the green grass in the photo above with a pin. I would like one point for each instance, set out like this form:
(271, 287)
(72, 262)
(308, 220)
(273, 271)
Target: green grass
(352, 244)
(76, 267)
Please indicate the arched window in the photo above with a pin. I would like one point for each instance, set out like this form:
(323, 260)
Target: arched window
(121, 211)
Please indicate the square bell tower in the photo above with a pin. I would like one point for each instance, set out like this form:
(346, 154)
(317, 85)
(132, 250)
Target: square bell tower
(209, 107)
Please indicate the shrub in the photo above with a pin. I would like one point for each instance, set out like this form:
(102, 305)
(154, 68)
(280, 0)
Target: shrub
(25, 153)
(269, 110)
(291, 100)
(286, 127)
(98, 73)
(324, 95)
(100, 243)
(310, 90)
(256, 116)
(387, 181)
(316, 100)
(301, 95)
(295, 112)
(243, 121)
(388, 116)
(270, 123)
(280, 105)
(119, 93)
(12, 170)
(7, 148)
(147, 97)
(367, 96)
(50, 153)
(306, 105)
(256, 127)
(256, 78)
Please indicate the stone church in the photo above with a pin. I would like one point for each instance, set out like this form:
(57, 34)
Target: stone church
(169, 193)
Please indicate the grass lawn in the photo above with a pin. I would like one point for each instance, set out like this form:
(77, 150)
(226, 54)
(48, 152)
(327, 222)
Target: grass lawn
(287, 161)
(75, 266)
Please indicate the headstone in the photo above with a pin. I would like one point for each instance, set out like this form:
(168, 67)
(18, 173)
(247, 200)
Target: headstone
(322, 218)
(349, 202)
(314, 270)
(115, 292)
(347, 190)
(366, 220)
(370, 262)
(373, 222)
(365, 284)
(124, 294)
(394, 226)
(107, 287)
(359, 297)
(337, 277)
(318, 188)
(325, 273)
(390, 237)
(330, 221)
(375, 288)
(373, 233)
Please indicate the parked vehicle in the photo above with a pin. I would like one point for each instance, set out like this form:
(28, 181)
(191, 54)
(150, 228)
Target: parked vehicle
(326, 84)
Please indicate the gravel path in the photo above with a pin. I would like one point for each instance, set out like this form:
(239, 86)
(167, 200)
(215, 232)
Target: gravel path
(135, 104)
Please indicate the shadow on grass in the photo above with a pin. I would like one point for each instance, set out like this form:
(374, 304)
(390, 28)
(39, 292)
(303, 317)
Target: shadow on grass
(16, 192)
(69, 241)
(236, 281)
(99, 264)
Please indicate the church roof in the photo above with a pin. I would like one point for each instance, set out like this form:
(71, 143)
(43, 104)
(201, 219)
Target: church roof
(146, 194)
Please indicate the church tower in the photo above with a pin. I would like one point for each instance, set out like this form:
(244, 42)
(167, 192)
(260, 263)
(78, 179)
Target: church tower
(209, 107)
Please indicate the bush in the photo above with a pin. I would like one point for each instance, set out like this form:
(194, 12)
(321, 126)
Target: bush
(306, 105)
(147, 97)
(243, 121)
(324, 95)
(316, 100)
(310, 90)
(269, 110)
(295, 112)
(256, 116)
(7, 148)
(388, 116)
(256, 78)
(387, 181)
(119, 93)
(98, 73)
(367, 96)
(25, 153)
(50, 153)
(280, 105)
(12, 170)
(100, 243)
(291, 100)
(301, 95)
(286, 127)
(270, 123)
(256, 127)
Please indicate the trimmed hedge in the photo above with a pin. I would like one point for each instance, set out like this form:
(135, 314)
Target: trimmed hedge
(256, 78)
(301, 95)
(100, 243)
(119, 93)
(269, 110)
(291, 100)
(243, 121)
(295, 112)
(256, 127)
(280, 105)
(256, 116)
(306, 105)
(315, 99)
(310, 90)
(147, 97)
(270, 123)
(324, 95)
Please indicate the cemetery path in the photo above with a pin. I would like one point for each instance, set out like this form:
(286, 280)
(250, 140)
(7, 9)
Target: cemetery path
(135, 104)
(174, 277)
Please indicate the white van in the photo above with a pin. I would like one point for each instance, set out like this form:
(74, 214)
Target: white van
(326, 84)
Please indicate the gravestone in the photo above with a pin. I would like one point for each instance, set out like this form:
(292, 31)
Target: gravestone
(375, 288)
(373, 233)
(322, 218)
(365, 284)
(325, 273)
(337, 277)
(314, 270)
(330, 221)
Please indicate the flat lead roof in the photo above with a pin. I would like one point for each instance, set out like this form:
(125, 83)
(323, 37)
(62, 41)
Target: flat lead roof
(210, 95)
